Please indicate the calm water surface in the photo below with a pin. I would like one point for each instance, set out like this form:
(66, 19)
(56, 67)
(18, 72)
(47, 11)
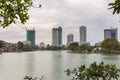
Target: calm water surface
(51, 64)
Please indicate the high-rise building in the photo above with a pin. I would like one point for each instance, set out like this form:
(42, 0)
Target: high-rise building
(83, 34)
(70, 39)
(57, 36)
(31, 36)
(110, 33)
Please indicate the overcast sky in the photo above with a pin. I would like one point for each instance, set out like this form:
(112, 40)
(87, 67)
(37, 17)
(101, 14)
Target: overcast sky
(70, 15)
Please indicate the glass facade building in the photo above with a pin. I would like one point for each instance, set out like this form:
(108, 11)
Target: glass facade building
(110, 33)
(31, 36)
(83, 34)
(57, 36)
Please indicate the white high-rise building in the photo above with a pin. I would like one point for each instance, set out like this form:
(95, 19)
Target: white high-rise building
(57, 36)
(83, 34)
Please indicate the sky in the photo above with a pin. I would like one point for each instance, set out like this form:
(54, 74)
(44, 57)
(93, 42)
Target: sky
(70, 15)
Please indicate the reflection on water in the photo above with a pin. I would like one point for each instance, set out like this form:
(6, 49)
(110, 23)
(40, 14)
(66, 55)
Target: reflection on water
(111, 58)
(57, 63)
(30, 64)
(51, 64)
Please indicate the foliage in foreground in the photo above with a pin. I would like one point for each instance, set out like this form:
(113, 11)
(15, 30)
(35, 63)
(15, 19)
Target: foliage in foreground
(33, 78)
(115, 6)
(95, 71)
(10, 10)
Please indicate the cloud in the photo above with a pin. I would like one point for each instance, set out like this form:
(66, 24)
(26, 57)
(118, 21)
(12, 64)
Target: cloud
(69, 14)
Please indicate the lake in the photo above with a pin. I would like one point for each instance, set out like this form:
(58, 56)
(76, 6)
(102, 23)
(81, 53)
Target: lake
(51, 64)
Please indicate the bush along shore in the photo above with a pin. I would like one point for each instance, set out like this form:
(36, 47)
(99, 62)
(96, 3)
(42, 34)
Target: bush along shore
(109, 45)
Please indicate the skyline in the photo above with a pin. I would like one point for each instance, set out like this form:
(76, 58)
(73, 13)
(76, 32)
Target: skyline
(70, 15)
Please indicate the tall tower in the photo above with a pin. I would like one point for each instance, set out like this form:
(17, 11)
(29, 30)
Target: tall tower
(110, 33)
(83, 33)
(57, 36)
(31, 36)
(70, 39)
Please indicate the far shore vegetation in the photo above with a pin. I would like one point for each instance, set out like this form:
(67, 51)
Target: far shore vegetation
(16, 47)
(109, 45)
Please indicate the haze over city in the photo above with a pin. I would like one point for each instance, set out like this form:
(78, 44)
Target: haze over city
(70, 15)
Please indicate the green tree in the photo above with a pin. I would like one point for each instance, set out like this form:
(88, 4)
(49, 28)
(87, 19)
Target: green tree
(20, 45)
(95, 71)
(34, 78)
(115, 6)
(83, 48)
(10, 10)
(74, 47)
(90, 48)
(1, 43)
(110, 45)
(27, 48)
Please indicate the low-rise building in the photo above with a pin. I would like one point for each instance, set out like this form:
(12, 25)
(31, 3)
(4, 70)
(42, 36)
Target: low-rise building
(26, 42)
(84, 43)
